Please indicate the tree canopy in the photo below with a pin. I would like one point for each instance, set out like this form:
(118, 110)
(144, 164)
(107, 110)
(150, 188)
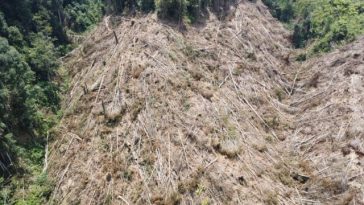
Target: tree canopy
(325, 23)
(33, 37)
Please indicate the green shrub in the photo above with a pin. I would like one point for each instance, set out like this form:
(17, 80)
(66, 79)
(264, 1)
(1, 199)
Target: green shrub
(325, 23)
(281, 9)
(30, 45)
(146, 5)
(81, 16)
(193, 9)
(171, 9)
(301, 57)
(336, 22)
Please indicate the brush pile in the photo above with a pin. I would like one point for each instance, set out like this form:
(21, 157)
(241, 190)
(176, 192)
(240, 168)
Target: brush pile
(216, 114)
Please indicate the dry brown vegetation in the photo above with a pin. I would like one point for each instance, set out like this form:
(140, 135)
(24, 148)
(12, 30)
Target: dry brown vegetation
(213, 115)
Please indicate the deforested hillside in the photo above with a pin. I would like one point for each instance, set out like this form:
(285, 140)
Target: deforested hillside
(329, 124)
(218, 113)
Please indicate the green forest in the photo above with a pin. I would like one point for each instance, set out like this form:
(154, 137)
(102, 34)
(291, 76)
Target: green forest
(34, 34)
(320, 24)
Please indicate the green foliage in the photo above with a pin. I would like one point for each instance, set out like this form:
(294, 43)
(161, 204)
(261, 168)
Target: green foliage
(281, 9)
(42, 23)
(3, 25)
(33, 36)
(146, 5)
(301, 57)
(182, 11)
(41, 56)
(171, 9)
(80, 16)
(15, 37)
(177, 10)
(15, 87)
(336, 22)
(32, 185)
(189, 11)
(326, 23)
(186, 11)
(193, 10)
(36, 188)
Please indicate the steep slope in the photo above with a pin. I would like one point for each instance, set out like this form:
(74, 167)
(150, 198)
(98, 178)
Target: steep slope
(329, 124)
(216, 114)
